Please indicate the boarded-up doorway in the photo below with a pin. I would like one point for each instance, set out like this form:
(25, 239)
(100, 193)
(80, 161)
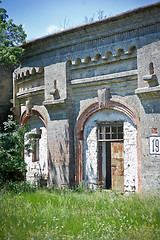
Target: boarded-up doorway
(111, 156)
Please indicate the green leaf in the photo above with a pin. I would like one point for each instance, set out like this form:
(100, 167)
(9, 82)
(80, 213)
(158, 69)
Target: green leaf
(11, 146)
(11, 37)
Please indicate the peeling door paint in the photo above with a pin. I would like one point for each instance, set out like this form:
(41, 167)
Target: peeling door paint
(117, 166)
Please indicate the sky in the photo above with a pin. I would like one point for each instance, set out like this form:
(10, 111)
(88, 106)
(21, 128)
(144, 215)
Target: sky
(42, 17)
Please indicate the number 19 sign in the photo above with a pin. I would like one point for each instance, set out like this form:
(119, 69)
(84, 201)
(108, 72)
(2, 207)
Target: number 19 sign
(154, 145)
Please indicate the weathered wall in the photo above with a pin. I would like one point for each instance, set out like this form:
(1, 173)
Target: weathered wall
(58, 138)
(149, 94)
(58, 124)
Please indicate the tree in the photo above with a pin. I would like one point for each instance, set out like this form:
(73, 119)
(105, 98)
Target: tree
(11, 36)
(12, 165)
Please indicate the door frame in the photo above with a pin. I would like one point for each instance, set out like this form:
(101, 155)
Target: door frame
(108, 132)
(79, 138)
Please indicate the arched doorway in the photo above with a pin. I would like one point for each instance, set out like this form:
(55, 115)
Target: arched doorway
(107, 148)
(36, 159)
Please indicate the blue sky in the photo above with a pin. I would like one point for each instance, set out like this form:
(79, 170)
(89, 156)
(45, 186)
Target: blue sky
(42, 17)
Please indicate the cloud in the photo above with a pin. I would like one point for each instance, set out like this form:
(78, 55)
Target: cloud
(52, 29)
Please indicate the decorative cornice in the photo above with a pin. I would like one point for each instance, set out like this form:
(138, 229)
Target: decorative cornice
(109, 56)
(114, 77)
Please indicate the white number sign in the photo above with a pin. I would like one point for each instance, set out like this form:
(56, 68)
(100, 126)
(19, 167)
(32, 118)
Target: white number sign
(154, 145)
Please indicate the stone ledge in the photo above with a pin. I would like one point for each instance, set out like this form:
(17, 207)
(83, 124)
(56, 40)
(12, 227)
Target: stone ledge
(54, 102)
(30, 91)
(148, 93)
(114, 77)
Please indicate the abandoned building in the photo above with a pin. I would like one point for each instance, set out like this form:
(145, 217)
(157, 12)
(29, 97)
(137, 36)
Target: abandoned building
(91, 95)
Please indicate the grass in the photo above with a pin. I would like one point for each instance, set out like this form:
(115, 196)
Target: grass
(67, 214)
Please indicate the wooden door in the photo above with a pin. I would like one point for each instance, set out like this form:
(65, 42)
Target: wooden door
(117, 166)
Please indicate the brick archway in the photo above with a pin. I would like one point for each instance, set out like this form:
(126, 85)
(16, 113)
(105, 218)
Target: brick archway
(41, 118)
(25, 117)
(79, 138)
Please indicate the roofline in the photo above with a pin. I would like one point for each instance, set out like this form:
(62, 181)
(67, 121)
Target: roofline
(79, 27)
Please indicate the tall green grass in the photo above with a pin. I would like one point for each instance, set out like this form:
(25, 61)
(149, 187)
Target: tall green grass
(67, 214)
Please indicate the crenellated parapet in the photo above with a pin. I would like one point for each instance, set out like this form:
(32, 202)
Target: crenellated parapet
(29, 81)
(26, 72)
(108, 57)
(116, 67)
(28, 89)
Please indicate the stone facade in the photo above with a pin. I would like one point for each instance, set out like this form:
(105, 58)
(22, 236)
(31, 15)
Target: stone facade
(94, 92)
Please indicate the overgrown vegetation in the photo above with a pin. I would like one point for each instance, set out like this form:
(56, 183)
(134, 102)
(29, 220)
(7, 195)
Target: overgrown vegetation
(11, 36)
(100, 15)
(12, 165)
(66, 214)
(96, 16)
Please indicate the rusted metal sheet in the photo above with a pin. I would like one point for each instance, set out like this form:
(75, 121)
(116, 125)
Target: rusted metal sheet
(117, 166)
(100, 164)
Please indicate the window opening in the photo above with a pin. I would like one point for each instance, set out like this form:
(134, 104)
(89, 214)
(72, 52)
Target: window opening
(110, 132)
(151, 68)
(35, 138)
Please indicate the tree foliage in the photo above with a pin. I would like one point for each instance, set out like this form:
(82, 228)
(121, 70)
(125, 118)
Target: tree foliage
(12, 165)
(11, 36)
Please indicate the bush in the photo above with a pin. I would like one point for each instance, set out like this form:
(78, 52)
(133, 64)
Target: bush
(12, 165)
(18, 187)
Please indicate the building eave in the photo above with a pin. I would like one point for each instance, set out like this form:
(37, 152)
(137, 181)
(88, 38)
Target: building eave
(90, 24)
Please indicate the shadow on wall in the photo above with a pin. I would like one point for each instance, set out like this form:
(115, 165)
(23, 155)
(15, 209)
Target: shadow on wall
(58, 114)
(151, 106)
(52, 178)
(57, 174)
